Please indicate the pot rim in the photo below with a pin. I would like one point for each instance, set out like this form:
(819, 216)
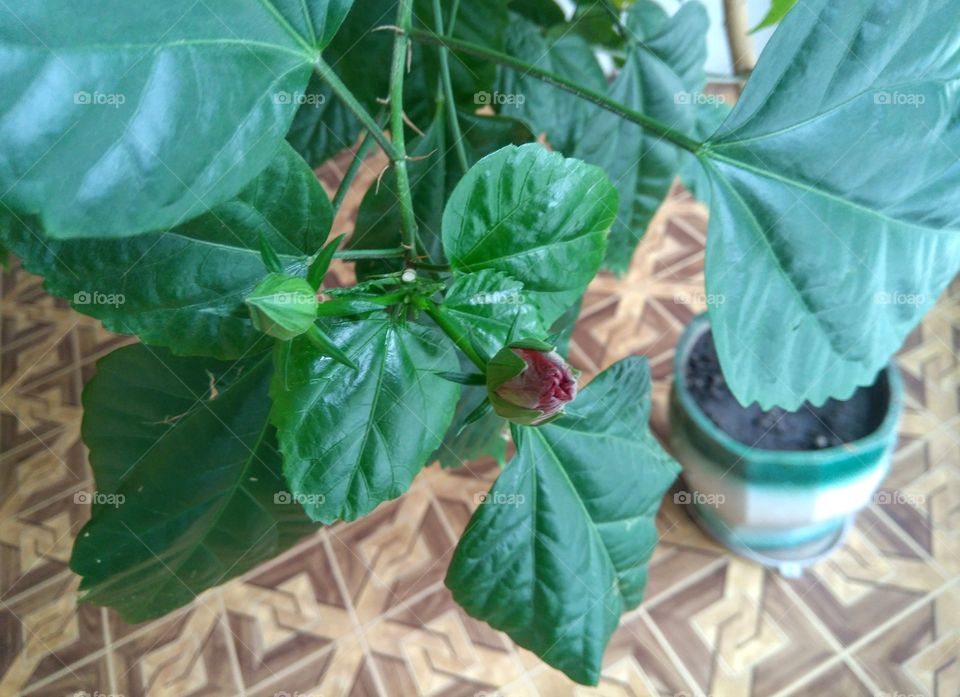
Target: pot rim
(878, 438)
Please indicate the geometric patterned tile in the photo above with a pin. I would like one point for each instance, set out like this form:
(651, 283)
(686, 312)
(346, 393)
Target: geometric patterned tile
(401, 548)
(920, 653)
(738, 632)
(634, 665)
(46, 632)
(342, 669)
(838, 680)
(35, 543)
(91, 676)
(186, 654)
(430, 646)
(287, 611)
(875, 574)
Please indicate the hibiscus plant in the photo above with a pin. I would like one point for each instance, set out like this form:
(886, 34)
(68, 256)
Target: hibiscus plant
(157, 169)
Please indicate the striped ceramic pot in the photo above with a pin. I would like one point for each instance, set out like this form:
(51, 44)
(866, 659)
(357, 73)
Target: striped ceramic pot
(774, 500)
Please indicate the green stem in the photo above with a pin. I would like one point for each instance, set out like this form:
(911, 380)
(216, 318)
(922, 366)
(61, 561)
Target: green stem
(450, 328)
(624, 112)
(401, 45)
(448, 88)
(327, 74)
(392, 253)
(366, 145)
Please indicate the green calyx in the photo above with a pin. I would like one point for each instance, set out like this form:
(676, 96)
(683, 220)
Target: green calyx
(283, 306)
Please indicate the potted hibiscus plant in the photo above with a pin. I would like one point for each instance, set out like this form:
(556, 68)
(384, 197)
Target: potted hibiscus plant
(157, 170)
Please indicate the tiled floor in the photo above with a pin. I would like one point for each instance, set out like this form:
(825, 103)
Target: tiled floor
(360, 609)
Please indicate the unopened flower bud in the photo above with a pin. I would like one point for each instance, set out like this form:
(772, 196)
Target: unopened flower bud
(283, 306)
(529, 383)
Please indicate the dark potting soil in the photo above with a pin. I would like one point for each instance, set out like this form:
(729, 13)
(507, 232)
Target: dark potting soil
(808, 428)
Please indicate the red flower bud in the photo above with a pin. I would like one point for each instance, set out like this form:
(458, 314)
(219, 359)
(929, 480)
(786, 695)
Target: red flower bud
(529, 383)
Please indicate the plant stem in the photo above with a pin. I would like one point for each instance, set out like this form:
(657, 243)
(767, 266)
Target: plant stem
(624, 112)
(358, 157)
(392, 253)
(460, 340)
(738, 36)
(401, 45)
(448, 87)
(327, 74)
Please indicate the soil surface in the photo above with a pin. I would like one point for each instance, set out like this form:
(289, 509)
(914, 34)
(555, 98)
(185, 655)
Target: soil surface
(808, 428)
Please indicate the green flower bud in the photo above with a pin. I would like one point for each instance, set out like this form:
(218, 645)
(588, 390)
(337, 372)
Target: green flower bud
(283, 306)
(529, 383)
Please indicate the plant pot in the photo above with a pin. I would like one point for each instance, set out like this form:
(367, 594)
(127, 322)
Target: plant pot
(776, 504)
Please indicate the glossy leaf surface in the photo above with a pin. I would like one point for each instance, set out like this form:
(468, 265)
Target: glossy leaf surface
(184, 288)
(835, 222)
(189, 489)
(119, 118)
(558, 550)
(352, 439)
(535, 216)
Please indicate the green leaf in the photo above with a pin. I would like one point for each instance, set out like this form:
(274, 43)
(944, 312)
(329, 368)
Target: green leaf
(662, 78)
(189, 490)
(323, 125)
(481, 22)
(352, 439)
(120, 118)
(546, 13)
(778, 10)
(476, 432)
(487, 305)
(535, 216)
(434, 172)
(835, 222)
(563, 117)
(559, 549)
(184, 288)
(594, 22)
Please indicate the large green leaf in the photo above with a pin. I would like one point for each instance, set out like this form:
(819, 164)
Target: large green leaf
(189, 489)
(323, 125)
(535, 216)
(835, 222)
(563, 117)
(559, 549)
(352, 439)
(184, 288)
(119, 118)
(491, 309)
(661, 77)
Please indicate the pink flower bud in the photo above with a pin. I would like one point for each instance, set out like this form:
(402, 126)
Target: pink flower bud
(528, 385)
